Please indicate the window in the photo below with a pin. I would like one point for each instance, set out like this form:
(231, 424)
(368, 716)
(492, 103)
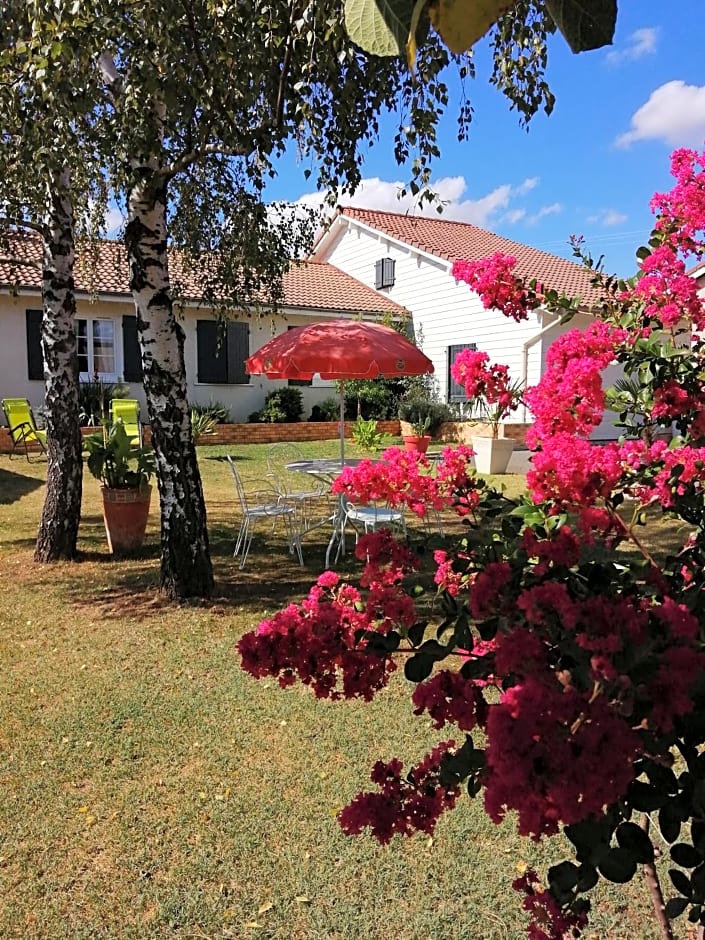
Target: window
(384, 273)
(221, 352)
(95, 346)
(456, 393)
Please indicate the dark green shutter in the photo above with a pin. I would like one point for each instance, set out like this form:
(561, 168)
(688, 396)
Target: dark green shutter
(132, 371)
(211, 357)
(457, 392)
(35, 360)
(238, 351)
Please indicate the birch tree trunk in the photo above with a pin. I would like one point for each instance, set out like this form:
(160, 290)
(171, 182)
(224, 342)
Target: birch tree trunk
(61, 515)
(186, 569)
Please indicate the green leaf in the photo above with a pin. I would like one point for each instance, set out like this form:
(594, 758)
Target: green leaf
(675, 907)
(564, 876)
(685, 855)
(680, 880)
(618, 865)
(633, 838)
(380, 27)
(417, 668)
(669, 822)
(586, 24)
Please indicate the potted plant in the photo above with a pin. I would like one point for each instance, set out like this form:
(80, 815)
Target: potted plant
(124, 472)
(424, 416)
(491, 397)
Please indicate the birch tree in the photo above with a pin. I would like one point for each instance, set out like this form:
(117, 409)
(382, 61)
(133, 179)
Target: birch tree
(43, 180)
(197, 99)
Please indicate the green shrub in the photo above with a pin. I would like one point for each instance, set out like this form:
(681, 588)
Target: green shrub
(94, 400)
(327, 410)
(366, 435)
(214, 409)
(281, 406)
(202, 424)
(418, 409)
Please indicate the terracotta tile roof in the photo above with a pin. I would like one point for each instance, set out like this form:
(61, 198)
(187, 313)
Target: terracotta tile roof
(311, 285)
(461, 240)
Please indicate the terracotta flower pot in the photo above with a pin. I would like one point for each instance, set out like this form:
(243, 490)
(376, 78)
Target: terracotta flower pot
(420, 444)
(125, 513)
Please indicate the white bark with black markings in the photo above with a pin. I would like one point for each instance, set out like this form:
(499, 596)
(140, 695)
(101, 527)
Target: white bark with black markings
(186, 569)
(58, 527)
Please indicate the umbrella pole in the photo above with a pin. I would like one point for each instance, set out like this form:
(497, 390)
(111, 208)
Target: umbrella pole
(342, 426)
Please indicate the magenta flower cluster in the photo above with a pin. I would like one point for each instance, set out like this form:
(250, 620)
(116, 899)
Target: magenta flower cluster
(581, 668)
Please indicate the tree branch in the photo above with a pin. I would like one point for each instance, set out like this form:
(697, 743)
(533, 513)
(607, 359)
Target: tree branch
(22, 223)
(200, 153)
(22, 262)
(654, 886)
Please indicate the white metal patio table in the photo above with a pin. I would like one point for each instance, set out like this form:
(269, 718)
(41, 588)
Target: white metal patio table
(326, 469)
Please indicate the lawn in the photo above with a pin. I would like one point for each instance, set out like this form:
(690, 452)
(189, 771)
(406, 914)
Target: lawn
(150, 789)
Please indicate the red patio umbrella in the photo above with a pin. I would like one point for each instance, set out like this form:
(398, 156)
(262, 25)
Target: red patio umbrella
(339, 349)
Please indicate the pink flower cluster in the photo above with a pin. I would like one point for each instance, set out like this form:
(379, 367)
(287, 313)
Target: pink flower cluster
(402, 806)
(403, 478)
(322, 641)
(499, 288)
(555, 757)
(482, 380)
(549, 921)
(595, 662)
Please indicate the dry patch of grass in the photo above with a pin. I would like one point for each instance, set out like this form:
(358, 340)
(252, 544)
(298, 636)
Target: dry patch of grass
(150, 789)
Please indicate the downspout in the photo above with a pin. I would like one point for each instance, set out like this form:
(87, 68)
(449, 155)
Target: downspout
(525, 357)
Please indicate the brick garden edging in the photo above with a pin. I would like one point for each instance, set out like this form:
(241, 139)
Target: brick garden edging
(451, 432)
(255, 433)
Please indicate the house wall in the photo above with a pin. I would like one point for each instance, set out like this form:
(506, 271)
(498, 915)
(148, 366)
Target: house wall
(241, 400)
(445, 313)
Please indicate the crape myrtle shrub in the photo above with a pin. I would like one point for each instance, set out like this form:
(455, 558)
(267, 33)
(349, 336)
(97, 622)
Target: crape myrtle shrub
(581, 665)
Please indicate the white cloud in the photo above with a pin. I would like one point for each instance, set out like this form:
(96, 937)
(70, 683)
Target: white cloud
(554, 209)
(607, 217)
(114, 222)
(374, 193)
(674, 114)
(641, 42)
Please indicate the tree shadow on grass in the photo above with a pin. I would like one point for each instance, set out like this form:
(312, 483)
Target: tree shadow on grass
(14, 485)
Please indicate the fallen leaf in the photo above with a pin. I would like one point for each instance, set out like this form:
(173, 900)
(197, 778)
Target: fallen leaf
(267, 906)
(302, 899)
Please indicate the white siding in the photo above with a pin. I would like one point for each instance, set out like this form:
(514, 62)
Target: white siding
(241, 400)
(445, 313)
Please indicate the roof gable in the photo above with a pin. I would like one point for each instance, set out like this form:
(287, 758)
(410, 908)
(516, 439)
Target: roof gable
(451, 241)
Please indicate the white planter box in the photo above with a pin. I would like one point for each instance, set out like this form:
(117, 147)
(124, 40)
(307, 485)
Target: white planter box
(492, 453)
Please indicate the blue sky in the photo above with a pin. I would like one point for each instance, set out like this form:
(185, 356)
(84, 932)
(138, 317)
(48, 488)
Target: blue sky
(590, 168)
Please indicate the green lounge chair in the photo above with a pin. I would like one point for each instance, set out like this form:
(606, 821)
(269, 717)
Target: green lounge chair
(127, 410)
(23, 429)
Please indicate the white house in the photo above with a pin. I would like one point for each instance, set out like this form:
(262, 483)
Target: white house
(408, 259)
(215, 355)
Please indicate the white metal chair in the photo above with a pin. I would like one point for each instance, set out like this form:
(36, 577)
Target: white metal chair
(371, 517)
(287, 485)
(271, 508)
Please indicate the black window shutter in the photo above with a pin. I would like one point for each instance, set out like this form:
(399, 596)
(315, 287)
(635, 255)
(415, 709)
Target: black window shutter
(35, 360)
(379, 277)
(456, 392)
(211, 355)
(132, 371)
(238, 351)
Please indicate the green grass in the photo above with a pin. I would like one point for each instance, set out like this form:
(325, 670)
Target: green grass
(150, 789)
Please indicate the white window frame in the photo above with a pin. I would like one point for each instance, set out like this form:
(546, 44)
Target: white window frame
(90, 337)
